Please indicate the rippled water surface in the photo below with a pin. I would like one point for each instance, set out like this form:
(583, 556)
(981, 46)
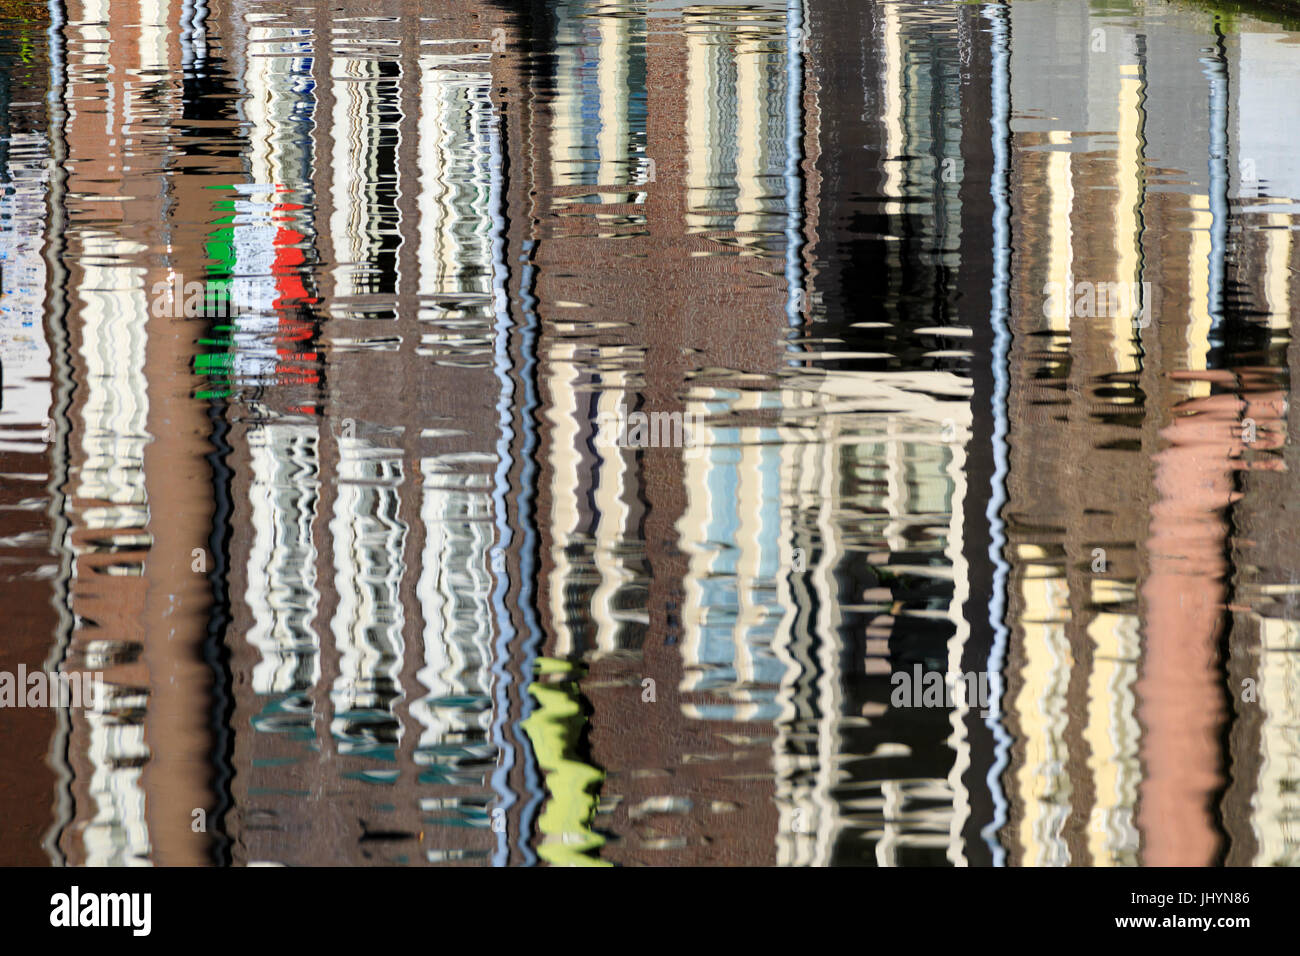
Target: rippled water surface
(626, 433)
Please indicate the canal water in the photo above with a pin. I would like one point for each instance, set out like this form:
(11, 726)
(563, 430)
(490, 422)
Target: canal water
(819, 432)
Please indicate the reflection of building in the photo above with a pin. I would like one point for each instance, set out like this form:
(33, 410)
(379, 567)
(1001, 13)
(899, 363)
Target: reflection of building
(453, 677)
(138, 606)
(875, 465)
(635, 133)
(26, 410)
(1261, 806)
(462, 630)
(1116, 687)
(1078, 502)
(363, 576)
